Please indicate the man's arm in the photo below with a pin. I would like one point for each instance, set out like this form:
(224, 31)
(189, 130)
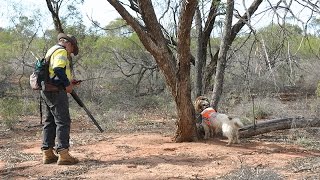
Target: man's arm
(60, 73)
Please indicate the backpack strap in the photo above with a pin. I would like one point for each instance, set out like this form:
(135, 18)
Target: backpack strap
(49, 54)
(52, 50)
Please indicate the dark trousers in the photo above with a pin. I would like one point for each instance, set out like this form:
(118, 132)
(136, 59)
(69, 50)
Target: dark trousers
(57, 121)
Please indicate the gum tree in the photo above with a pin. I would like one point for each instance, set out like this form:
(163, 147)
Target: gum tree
(175, 67)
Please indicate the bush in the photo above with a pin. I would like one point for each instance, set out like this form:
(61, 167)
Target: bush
(263, 108)
(31, 107)
(10, 109)
(249, 173)
(318, 90)
(261, 113)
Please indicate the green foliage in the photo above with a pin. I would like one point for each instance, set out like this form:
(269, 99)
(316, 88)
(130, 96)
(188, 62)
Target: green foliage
(151, 102)
(289, 37)
(6, 71)
(10, 110)
(318, 90)
(309, 47)
(261, 113)
(30, 107)
(118, 28)
(278, 30)
(304, 141)
(6, 39)
(25, 26)
(307, 137)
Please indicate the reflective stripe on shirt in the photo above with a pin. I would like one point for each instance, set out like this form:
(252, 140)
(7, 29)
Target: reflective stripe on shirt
(59, 58)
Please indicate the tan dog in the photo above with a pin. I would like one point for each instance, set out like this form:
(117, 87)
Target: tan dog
(217, 122)
(201, 103)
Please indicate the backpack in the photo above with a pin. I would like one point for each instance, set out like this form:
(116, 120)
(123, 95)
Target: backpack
(40, 74)
(39, 79)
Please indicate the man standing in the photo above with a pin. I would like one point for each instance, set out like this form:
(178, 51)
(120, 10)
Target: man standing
(57, 121)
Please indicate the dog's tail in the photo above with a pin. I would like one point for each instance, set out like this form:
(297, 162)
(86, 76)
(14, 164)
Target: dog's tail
(237, 122)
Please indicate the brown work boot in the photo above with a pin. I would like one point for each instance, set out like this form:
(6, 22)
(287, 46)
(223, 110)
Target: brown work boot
(48, 156)
(65, 158)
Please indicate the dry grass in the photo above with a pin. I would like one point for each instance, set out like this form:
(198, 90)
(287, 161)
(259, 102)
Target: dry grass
(252, 173)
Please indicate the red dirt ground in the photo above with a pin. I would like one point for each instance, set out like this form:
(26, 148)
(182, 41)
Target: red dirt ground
(145, 155)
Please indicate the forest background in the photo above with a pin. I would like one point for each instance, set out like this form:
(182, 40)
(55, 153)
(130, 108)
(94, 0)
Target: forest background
(145, 62)
(274, 58)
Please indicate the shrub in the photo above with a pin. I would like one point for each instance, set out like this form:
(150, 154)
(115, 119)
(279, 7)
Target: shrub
(31, 107)
(261, 113)
(10, 110)
(246, 172)
(318, 90)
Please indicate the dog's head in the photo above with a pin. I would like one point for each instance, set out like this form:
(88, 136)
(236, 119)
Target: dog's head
(201, 103)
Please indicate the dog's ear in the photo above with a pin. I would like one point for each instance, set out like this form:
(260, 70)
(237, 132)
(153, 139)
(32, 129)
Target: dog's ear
(203, 98)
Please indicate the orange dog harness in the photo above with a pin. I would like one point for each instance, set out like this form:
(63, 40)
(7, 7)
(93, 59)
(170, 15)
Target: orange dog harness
(207, 113)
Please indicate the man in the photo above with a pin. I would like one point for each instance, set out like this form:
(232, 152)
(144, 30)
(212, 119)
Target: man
(57, 121)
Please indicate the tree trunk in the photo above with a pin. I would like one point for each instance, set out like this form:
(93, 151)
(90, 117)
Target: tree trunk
(209, 72)
(176, 70)
(186, 130)
(278, 124)
(202, 43)
(228, 38)
(201, 58)
(222, 57)
(54, 8)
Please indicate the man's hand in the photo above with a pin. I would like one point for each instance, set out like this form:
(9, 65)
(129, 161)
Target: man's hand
(69, 88)
(75, 82)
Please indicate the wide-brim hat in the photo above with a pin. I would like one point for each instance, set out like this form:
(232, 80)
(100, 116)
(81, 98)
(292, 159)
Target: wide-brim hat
(72, 40)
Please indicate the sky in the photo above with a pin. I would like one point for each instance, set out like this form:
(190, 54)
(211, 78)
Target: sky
(98, 10)
(102, 12)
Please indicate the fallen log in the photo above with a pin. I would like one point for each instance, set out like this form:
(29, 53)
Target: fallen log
(278, 124)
